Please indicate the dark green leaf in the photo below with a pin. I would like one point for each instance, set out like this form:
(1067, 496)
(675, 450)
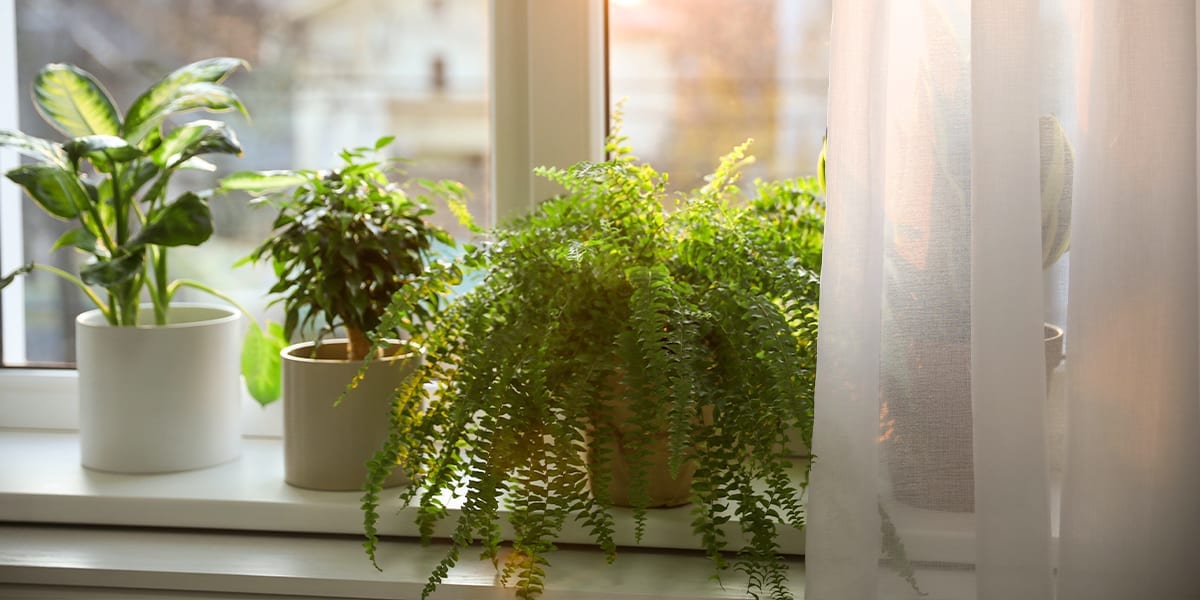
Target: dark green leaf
(185, 222)
(134, 178)
(153, 105)
(55, 189)
(261, 361)
(71, 100)
(101, 149)
(8, 279)
(108, 273)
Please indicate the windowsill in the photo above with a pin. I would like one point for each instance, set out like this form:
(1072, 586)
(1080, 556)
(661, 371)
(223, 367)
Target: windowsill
(267, 529)
(183, 563)
(41, 481)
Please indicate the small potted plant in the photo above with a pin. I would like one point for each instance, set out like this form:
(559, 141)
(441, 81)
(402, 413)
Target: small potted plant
(158, 382)
(616, 353)
(344, 242)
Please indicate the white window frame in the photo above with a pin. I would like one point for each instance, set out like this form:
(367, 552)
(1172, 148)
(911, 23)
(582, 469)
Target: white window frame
(11, 238)
(548, 107)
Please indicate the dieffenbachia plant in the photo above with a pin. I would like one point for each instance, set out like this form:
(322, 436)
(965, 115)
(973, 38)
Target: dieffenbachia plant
(111, 175)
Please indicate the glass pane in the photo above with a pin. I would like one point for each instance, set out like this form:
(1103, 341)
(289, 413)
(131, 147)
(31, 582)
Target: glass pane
(701, 76)
(326, 75)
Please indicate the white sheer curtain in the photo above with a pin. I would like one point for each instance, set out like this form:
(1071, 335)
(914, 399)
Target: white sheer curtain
(956, 456)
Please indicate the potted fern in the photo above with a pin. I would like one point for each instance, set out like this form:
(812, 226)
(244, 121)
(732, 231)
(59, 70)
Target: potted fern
(616, 353)
(159, 381)
(344, 242)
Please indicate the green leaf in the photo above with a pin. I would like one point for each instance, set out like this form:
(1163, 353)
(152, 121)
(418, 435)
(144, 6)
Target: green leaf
(55, 189)
(193, 96)
(261, 361)
(77, 238)
(153, 102)
(185, 222)
(108, 273)
(102, 150)
(194, 139)
(262, 181)
(8, 279)
(33, 147)
(196, 163)
(71, 100)
(384, 141)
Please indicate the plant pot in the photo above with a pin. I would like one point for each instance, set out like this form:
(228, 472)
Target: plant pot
(155, 399)
(327, 447)
(663, 490)
(936, 472)
(611, 431)
(1053, 338)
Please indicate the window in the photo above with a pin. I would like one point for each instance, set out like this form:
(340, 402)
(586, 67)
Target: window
(477, 90)
(320, 81)
(700, 76)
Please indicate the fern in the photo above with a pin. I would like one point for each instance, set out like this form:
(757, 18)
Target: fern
(604, 328)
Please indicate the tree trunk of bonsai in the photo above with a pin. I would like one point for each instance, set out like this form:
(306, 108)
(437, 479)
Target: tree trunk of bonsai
(357, 344)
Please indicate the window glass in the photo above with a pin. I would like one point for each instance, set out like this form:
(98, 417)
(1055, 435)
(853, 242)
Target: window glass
(701, 76)
(326, 74)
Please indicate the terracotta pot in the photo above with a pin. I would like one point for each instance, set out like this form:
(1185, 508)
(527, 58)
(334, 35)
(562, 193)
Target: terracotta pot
(155, 399)
(327, 447)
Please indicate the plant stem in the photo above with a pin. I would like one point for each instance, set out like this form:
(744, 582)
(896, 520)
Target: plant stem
(357, 345)
(160, 293)
(106, 310)
(121, 213)
(178, 283)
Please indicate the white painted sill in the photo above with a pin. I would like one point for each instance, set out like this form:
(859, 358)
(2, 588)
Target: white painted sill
(238, 527)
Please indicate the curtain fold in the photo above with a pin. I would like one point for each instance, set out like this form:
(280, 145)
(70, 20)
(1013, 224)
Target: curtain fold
(958, 456)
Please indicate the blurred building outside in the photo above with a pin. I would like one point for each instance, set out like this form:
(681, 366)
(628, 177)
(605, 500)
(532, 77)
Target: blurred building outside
(699, 77)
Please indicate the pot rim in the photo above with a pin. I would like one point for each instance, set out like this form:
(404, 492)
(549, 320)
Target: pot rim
(1051, 332)
(287, 353)
(95, 319)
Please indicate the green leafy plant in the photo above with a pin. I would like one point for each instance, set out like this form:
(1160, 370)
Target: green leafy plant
(344, 242)
(111, 176)
(609, 334)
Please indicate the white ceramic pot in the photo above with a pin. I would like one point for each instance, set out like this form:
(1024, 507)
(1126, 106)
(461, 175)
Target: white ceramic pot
(327, 447)
(155, 399)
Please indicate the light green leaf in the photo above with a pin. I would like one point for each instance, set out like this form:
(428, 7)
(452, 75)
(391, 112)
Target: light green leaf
(196, 163)
(194, 139)
(262, 181)
(184, 222)
(71, 100)
(193, 96)
(55, 189)
(383, 142)
(154, 100)
(77, 238)
(261, 362)
(33, 147)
